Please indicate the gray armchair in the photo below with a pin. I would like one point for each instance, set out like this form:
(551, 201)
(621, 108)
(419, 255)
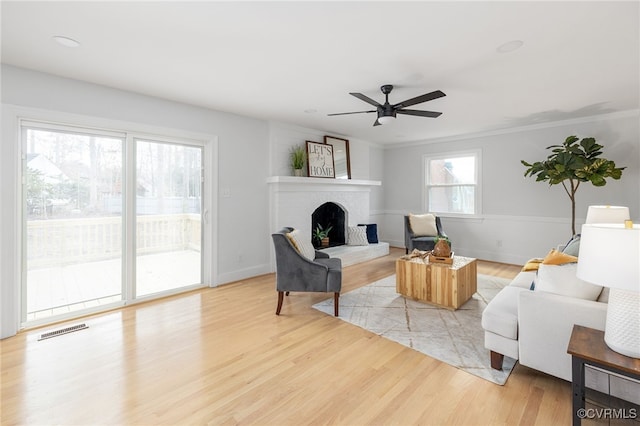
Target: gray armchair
(421, 243)
(295, 272)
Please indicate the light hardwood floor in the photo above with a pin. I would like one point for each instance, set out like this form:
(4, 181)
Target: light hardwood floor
(221, 356)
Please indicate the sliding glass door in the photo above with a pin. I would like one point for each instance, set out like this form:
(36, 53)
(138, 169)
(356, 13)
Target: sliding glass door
(168, 216)
(108, 218)
(73, 221)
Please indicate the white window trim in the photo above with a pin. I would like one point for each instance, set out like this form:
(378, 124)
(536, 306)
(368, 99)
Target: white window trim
(477, 154)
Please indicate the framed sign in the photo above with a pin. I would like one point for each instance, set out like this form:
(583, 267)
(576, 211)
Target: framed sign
(341, 159)
(320, 160)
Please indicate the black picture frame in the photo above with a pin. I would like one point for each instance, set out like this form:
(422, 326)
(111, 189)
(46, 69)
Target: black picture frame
(341, 157)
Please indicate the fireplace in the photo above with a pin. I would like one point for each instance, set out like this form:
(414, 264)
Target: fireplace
(293, 201)
(331, 215)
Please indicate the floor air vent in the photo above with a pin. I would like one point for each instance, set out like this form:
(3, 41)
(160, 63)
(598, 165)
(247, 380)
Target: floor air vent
(62, 331)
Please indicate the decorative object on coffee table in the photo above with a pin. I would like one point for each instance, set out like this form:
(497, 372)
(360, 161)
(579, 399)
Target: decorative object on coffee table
(445, 260)
(442, 247)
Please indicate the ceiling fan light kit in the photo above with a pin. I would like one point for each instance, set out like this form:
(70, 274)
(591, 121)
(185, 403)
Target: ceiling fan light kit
(386, 119)
(387, 112)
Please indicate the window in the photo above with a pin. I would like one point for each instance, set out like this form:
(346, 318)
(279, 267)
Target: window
(452, 183)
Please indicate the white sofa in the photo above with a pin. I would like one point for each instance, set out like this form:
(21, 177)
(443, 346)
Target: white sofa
(534, 326)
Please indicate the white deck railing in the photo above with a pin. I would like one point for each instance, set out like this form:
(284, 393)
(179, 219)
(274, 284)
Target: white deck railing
(68, 241)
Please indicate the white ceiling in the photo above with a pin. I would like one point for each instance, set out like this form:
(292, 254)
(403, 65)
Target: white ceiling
(276, 60)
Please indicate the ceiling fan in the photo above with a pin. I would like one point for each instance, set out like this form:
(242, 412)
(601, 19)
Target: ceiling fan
(387, 112)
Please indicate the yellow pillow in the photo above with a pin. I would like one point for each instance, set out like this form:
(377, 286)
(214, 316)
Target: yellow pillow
(293, 241)
(532, 264)
(555, 257)
(301, 244)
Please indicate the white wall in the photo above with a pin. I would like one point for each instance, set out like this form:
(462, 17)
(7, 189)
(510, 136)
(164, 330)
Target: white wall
(521, 218)
(376, 172)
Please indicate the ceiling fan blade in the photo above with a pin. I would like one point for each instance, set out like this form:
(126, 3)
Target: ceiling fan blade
(355, 112)
(366, 99)
(419, 99)
(431, 114)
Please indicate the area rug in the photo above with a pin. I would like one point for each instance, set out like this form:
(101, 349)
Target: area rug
(454, 337)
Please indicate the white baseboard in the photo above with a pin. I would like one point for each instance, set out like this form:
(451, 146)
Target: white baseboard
(242, 274)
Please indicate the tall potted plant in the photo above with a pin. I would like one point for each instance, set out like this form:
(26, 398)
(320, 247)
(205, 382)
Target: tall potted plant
(570, 164)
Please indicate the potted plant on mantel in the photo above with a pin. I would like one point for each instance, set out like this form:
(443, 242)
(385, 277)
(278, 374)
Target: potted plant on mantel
(571, 164)
(322, 235)
(297, 155)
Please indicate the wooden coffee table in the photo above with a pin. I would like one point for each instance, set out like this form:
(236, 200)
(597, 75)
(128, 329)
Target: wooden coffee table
(449, 286)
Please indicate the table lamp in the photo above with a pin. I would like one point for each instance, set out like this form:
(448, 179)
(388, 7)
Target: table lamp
(610, 256)
(607, 214)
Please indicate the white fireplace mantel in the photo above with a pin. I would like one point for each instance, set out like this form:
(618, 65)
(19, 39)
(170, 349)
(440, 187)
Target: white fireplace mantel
(320, 181)
(293, 200)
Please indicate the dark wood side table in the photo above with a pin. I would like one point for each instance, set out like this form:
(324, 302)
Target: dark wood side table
(587, 346)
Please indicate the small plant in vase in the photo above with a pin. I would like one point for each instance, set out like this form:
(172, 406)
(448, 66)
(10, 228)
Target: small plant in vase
(298, 156)
(442, 247)
(322, 235)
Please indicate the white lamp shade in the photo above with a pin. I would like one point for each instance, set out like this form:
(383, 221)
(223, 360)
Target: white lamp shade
(610, 255)
(607, 214)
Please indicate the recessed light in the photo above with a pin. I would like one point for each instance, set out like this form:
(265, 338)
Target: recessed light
(66, 41)
(510, 46)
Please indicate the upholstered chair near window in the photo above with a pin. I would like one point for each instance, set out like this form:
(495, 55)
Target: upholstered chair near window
(421, 231)
(299, 267)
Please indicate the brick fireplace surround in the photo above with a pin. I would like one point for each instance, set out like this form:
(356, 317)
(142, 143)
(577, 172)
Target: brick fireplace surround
(292, 201)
